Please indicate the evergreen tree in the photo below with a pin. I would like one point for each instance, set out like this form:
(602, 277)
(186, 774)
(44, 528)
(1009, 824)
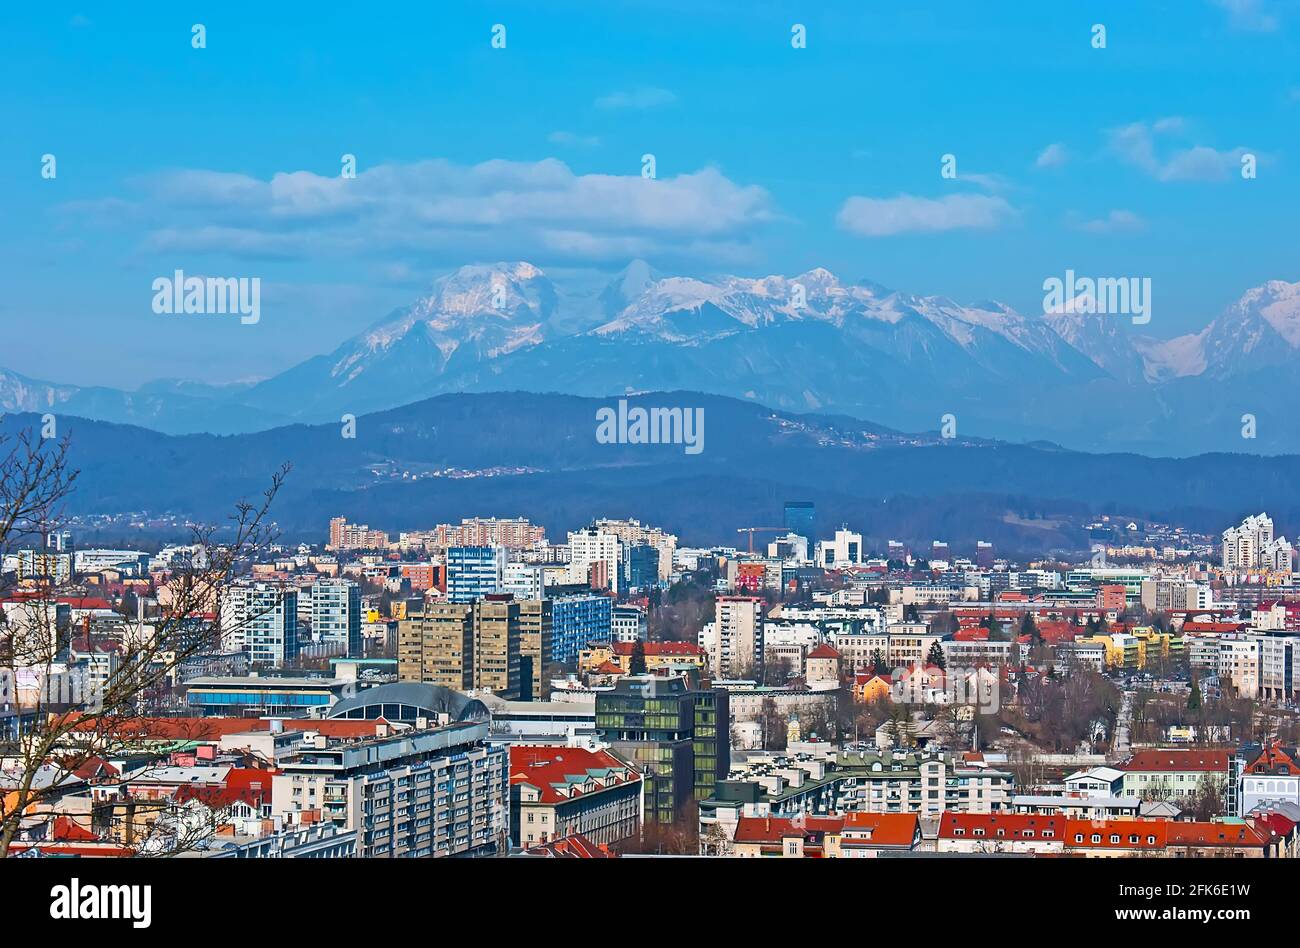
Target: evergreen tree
(1194, 696)
(936, 657)
(637, 665)
(1030, 628)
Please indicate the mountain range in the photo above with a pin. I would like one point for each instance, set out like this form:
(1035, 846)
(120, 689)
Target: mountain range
(536, 455)
(807, 343)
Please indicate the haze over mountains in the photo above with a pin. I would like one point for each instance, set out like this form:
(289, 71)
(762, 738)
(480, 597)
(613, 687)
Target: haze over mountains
(805, 343)
(507, 454)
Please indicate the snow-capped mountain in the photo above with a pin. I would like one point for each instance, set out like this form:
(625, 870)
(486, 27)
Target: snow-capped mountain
(806, 342)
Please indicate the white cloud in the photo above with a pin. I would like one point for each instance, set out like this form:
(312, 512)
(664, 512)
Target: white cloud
(883, 217)
(1117, 221)
(1251, 15)
(989, 182)
(1053, 156)
(1137, 145)
(642, 97)
(497, 209)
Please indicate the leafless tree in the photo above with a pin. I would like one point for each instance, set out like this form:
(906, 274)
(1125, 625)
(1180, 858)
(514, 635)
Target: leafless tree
(66, 722)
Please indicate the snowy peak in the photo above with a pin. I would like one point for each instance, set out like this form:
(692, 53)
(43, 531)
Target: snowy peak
(1259, 331)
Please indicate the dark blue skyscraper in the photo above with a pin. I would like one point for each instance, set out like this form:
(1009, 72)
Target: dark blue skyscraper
(799, 518)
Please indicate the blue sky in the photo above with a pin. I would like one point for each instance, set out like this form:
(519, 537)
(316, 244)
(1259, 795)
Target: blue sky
(225, 160)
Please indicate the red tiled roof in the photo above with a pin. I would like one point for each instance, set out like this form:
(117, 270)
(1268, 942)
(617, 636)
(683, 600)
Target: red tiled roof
(86, 602)
(1215, 834)
(1140, 834)
(1212, 626)
(67, 830)
(1274, 824)
(1000, 826)
(1173, 760)
(219, 798)
(772, 829)
(886, 829)
(824, 651)
(547, 768)
(1275, 760)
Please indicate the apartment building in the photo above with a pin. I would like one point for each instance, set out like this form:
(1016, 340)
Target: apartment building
(436, 645)
(260, 620)
(437, 791)
(735, 642)
(1173, 773)
(336, 614)
(474, 572)
(595, 559)
(354, 536)
(498, 643)
(559, 791)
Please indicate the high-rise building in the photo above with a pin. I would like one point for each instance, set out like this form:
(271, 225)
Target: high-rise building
(576, 620)
(633, 532)
(595, 558)
(1253, 546)
(676, 735)
(421, 792)
(801, 518)
(336, 614)
(496, 645)
(737, 639)
(260, 620)
(436, 645)
(536, 648)
(514, 534)
(523, 580)
(354, 536)
(499, 643)
(474, 572)
(642, 565)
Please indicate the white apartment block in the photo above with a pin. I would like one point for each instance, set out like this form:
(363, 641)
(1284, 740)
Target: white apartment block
(590, 546)
(737, 637)
(1253, 546)
(260, 620)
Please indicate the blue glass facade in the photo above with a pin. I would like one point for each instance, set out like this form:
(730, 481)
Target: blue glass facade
(577, 620)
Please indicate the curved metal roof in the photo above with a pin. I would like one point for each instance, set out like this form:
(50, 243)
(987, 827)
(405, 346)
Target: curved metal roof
(407, 700)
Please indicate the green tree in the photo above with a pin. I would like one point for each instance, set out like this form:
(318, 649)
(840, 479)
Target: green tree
(936, 657)
(1194, 696)
(637, 665)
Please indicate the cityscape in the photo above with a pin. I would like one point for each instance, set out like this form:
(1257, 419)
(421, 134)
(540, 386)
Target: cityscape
(650, 436)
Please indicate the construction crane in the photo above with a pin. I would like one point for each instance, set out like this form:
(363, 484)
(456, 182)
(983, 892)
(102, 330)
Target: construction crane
(751, 531)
